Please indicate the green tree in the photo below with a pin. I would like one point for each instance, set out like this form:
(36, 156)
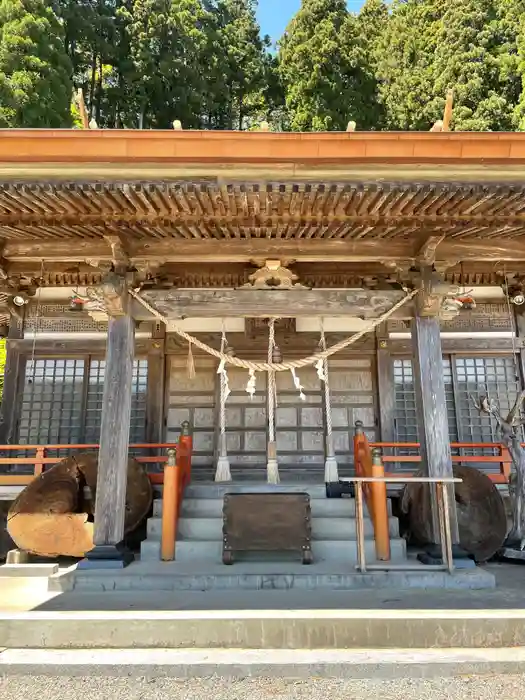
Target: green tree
(97, 46)
(242, 64)
(320, 63)
(35, 72)
(512, 54)
(406, 63)
(475, 55)
(365, 43)
(168, 41)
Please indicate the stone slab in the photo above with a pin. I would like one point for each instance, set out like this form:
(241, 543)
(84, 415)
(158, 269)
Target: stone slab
(374, 664)
(26, 570)
(243, 578)
(323, 550)
(267, 629)
(206, 528)
(212, 507)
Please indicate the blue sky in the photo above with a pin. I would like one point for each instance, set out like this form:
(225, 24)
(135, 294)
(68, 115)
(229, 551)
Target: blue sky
(274, 15)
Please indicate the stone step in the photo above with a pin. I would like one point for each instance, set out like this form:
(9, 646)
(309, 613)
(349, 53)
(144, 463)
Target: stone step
(323, 550)
(212, 507)
(263, 629)
(207, 490)
(233, 585)
(322, 528)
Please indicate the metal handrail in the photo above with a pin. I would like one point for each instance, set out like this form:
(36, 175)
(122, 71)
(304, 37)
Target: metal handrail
(442, 498)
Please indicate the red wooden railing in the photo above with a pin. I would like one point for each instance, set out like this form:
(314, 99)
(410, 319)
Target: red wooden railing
(369, 465)
(39, 461)
(176, 474)
(502, 459)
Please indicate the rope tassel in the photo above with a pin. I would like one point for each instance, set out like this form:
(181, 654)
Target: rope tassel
(272, 466)
(223, 472)
(298, 385)
(331, 470)
(191, 363)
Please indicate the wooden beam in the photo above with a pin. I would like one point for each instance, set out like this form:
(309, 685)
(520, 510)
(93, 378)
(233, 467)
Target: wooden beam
(427, 253)
(217, 221)
(519, 319)
(155, 390)
(385, 385)
(82, 109)
(114, 441)
(119, 254)
(432, 411)
(447, 114)
(301, 250)
(202, 303)
(13, 386)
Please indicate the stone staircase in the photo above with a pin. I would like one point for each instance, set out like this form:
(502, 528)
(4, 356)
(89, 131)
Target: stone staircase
(200, 527)
(198, 566)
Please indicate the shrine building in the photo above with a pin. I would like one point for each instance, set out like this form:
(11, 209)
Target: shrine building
(286, 298)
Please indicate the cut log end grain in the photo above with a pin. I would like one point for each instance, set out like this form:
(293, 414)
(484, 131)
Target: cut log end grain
(482, 521)
(52, 535)
(50, 516)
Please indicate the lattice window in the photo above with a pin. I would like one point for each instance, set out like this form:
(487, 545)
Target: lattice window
(95, 389)
(405, 418)
(496, 376)
(464, 377)
(62, 401)
(51, 410)
(405, 414)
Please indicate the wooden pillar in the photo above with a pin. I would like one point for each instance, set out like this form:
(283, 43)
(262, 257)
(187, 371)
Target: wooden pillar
(114, 441)
(156, 378)
(519, 317)
(385, 386)
(432, 411)
(13, 386)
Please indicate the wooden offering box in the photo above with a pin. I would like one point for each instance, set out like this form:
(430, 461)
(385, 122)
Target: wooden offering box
(266, 522)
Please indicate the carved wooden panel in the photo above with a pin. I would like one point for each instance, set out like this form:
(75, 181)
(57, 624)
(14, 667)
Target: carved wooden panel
(485, 317)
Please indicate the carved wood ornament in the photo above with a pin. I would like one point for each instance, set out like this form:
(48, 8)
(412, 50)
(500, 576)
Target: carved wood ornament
(108, 298)
(273, 275)
(437, 298)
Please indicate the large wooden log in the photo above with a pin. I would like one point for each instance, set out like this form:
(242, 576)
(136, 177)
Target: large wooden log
(482, 521)
(51, 517)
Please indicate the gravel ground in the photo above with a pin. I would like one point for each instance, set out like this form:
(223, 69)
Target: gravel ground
(97, 688)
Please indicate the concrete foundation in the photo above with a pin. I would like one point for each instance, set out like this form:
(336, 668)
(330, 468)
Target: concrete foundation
(191, 576)
(267, 629)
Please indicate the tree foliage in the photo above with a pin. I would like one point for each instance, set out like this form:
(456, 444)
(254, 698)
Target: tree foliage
(35, 73)
(145, 63)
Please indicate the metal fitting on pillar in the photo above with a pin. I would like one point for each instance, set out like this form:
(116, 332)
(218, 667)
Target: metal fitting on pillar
(376, 457)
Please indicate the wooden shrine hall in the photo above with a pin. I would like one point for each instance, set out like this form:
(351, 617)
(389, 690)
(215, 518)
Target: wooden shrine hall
(297, 302)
